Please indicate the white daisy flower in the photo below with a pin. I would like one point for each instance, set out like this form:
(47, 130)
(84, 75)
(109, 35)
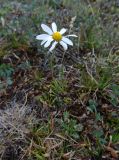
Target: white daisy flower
(53, 36)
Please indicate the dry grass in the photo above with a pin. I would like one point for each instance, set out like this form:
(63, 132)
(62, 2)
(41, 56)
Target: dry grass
(16, 121)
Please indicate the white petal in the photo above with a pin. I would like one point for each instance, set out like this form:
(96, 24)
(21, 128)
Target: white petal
(67, 41)
(63, 30)
(48, 42)
(64, 45)
(71, 35)
(42, 36)
(53, 46)
(54, 27)
(46, 29)
(43, 41)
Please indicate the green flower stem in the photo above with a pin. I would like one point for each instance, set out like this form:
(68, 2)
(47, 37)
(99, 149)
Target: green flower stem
(51, 63)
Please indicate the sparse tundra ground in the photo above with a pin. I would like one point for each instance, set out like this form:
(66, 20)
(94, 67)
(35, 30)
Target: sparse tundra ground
(55, 107)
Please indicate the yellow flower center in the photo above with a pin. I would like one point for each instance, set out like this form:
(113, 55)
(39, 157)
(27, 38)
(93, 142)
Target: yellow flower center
(57, 36)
